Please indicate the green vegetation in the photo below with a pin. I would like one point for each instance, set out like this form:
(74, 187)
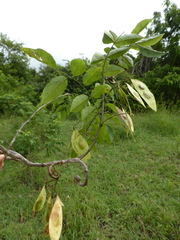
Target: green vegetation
(133, 190)
(133, 181)
(162, 74)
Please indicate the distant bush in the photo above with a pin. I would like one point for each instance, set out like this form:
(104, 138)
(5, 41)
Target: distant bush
(43, 130)
(164, 82)
(14, 104)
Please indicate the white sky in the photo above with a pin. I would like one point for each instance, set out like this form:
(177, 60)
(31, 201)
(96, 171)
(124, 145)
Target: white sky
(66, 28)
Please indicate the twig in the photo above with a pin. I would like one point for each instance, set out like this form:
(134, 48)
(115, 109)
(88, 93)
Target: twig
(12, 155)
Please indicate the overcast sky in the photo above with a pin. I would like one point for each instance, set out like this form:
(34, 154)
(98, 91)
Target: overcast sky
(66, 28)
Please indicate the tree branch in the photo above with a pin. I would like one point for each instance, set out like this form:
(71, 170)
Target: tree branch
(53, 173)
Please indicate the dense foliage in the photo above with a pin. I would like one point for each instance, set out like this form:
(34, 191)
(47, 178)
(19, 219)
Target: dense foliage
(162, 75)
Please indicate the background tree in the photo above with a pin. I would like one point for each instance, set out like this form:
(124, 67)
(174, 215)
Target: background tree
(13, 61)
(167, 23)
(162, 75)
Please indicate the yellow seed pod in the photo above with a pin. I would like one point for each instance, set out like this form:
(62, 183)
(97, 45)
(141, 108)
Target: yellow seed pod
(135, 94)
(1, 161)
(126, 118)
(80, 145)
(145, 93)
(39, 203)
(55, 220)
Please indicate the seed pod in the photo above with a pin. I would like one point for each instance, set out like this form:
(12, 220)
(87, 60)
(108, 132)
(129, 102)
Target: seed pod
(79, 145)
(2, 157)
(47, 215)
(55, 220)
(126, 118)
(39, 203)
(48, 209)
(145, 93)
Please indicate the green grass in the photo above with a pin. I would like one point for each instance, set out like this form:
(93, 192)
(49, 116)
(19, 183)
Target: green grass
(133, 191)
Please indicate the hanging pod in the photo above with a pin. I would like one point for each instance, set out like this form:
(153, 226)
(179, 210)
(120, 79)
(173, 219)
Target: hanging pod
(55, 220)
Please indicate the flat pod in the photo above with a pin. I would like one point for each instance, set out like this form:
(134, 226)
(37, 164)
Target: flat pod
(2, 157)
(39, 203)
(136, 94)
(145, 93)
(80, 145)
(55, 220)
(126, 118)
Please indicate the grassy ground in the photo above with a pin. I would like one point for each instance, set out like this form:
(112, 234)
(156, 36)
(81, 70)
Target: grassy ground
(133, 191)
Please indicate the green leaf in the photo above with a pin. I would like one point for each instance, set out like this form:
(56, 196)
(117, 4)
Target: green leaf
(145, 93)
(109, 37)
(149, 52)
(54, 89)
(135, 94)
(112, 107)
(78, 67)
(41, 55)
(141, 25)
(114, 36)
(112, 70)
(106, 134)
(122, 63)
(146, 42)
(79, 145)
(39, 203)
(115, 53)
(102, 136)
(127, 59)
(97, 57)
(92, 75)
(63, 115)
(110, 134)
(87, 112)
(100, 89)
(79, 103)
(127, 39)
(107, 50)
(124, 98)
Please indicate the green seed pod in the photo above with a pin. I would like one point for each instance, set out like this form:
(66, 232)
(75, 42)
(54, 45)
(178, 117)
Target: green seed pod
(39, 203)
